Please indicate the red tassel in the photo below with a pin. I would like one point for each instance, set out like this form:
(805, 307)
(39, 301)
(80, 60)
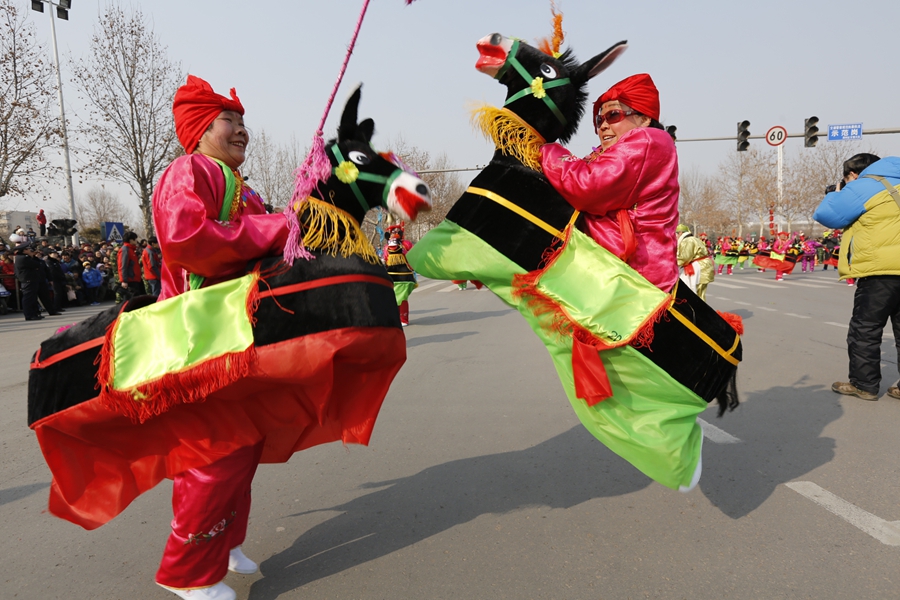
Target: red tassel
(591, 381)
(736, 322)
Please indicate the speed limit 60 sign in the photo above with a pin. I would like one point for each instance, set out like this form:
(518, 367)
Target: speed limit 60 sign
(776, 135)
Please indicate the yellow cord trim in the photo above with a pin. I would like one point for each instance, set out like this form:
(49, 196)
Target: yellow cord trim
(238, 196)
(329, 229)
(518, 210)
(510, 134)
(687, 323)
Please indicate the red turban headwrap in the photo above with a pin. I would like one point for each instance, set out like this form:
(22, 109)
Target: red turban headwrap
(196, 106)
(636, 92)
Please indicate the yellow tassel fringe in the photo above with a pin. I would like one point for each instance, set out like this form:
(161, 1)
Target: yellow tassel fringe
(329, 229)
(397, 259)
(510, 134)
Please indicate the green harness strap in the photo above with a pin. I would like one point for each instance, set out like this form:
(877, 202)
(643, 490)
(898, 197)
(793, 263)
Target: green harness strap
(196, 281)
(511, 60)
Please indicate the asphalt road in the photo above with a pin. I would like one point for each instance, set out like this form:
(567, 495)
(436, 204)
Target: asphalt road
(480, 482)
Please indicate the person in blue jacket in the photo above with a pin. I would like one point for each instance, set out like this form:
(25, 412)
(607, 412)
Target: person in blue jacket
(867, 207)
(93, 279)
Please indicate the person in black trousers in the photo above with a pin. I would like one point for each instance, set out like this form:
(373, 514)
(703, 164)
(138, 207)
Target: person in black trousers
(57, 281)
(30, 271)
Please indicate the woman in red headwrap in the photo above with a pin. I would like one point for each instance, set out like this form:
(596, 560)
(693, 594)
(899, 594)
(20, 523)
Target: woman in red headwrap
(203, 241)
(627, 188)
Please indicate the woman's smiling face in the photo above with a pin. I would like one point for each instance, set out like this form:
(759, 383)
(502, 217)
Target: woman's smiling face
(226, 139)
(610, 133)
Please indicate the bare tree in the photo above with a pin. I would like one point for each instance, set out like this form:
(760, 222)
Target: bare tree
(748, 183)
(691, 198)
(129, 83)
(27, 126)
(99, 205)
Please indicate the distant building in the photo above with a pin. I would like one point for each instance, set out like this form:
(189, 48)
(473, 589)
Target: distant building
(10, 219)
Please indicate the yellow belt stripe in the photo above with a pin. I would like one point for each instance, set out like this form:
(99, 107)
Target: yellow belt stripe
(519, 211)
(687, 323)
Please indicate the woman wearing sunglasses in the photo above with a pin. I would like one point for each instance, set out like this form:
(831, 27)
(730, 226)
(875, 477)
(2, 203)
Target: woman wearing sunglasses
(628, 187)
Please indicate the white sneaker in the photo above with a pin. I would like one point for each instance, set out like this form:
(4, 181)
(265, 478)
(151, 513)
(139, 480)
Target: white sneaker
(239, 563)
(220, 591)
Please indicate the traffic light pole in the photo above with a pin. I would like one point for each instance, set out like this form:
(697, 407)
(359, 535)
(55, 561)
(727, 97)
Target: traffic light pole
(790, 135)
(780, 175)
(62, 124)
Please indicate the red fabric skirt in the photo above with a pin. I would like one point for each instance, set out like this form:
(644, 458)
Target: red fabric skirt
(302, 392)
(782, 266)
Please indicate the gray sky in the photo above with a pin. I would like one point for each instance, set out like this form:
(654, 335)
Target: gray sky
(773, 62)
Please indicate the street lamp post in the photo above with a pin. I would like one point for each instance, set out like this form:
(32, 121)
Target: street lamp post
(62, 11)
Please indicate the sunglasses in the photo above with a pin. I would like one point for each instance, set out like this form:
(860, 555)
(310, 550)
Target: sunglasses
(614, 116)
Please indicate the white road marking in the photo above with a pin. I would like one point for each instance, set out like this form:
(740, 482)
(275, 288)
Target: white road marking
(723, 298)
(449, 289)
(714, 434)
(798, 316)
(729, 286)
(744, 303)
(809, 285)
(758, 284)
(428, 285)
(766, 308)
(886, 532)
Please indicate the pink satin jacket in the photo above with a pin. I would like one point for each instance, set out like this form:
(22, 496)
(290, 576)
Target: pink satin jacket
(186, 206)
(639, 174)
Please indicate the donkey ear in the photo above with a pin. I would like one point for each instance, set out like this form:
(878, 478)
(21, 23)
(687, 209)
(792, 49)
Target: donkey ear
(347, 128)
(365, 131)
(593, 67)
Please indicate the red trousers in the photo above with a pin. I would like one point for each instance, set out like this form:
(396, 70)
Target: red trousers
(404, 312)
(211, 506)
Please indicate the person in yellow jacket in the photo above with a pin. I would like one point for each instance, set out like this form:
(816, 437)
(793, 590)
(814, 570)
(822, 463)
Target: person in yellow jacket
(695, 267)
(868, 207)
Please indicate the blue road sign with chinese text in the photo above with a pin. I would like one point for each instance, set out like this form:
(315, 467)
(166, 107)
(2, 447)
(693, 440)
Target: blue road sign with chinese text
(842, 133)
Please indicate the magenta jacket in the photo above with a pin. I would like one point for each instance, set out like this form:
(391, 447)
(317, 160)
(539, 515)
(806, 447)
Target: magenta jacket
(639, 176)
(186, 205)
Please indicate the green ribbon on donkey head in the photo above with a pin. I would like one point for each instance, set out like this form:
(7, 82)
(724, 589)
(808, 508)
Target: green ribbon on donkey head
(350, 176)
(536, 86)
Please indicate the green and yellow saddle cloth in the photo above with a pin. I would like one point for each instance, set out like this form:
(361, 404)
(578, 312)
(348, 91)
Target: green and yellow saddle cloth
(589, 308)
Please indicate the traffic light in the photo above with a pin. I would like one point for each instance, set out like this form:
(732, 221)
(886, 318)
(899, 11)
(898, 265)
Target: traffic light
(742, 135)
(62, 11)
(809, 132)
(65, 226)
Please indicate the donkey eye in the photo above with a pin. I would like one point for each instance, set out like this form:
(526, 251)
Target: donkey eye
(548, 71)
(359, 158)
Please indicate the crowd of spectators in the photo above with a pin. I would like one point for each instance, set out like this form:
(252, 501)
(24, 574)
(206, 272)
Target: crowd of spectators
(87, 274)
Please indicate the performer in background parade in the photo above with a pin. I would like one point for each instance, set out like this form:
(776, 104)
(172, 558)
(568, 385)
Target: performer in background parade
(727, 254)
(695, 267)
(394, 257)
